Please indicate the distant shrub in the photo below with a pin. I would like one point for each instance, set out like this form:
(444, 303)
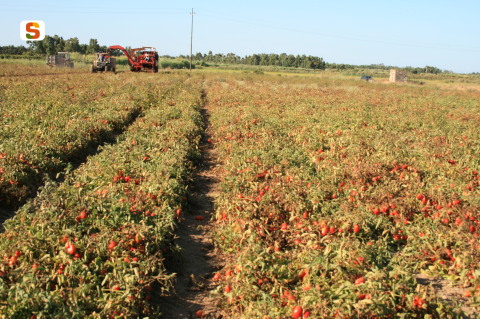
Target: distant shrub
(175, 64)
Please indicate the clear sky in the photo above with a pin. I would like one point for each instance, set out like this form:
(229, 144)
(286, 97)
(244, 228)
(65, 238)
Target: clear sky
(441, 33)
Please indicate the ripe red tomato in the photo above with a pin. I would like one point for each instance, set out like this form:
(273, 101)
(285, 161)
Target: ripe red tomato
(199, 314)
(12, 261)
(60, 270)
(359, 281)
(325, 231)
(112, 244)
(70, 248)
(303, 273)
(227, 289)
(356, 228)
(418, 302)
(307, 287)
(287, 294)
(297, 312)
(458, 221)
(81, 215)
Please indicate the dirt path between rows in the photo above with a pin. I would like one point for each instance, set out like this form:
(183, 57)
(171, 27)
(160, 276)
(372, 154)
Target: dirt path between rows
(199, 258)
(5, 213)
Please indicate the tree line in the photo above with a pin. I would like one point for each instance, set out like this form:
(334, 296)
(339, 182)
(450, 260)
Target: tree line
(414, 70)
(53, 44)
(272, 59)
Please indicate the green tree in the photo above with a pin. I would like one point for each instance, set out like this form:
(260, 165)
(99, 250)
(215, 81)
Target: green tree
(283, 59)
(92, 47)
(58, 43)
(49, 44)
(72, 45)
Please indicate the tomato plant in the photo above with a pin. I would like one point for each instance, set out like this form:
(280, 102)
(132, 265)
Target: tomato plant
(93, 245)
(335, 195)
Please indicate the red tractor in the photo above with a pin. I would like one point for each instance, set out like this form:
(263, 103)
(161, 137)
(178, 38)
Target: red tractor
(140, 59)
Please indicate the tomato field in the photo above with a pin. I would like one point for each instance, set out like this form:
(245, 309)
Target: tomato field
(337, 198)
(93, 245)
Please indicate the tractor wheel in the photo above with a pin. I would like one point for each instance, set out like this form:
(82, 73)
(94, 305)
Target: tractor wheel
(155, 68)
(106, 68)
(113, 70)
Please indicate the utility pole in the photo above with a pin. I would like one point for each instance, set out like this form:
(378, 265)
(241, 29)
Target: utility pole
(191, 41)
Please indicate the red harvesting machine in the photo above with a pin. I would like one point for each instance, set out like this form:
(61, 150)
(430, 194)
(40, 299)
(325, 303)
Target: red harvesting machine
(140, 59)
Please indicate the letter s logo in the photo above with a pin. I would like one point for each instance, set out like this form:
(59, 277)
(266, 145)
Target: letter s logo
(32, 27)
(32, 30)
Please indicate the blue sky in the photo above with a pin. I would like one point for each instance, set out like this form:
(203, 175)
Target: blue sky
(441, 33)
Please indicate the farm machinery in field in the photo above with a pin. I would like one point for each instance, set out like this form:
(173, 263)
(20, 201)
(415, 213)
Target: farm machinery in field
(104, 62)
(60, 60)
(139, 59)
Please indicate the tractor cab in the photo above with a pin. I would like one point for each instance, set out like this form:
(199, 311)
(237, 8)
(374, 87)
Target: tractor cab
(102, 57)
(103, 62)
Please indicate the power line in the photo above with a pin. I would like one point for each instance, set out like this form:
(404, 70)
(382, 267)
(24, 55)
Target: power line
(98, 11)
(191, 41)
(362, 38)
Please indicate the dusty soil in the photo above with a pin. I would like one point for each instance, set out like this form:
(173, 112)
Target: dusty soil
(451, 294)
(199, 259)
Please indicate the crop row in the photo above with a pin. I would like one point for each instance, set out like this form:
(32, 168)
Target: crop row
(94, 245)
(27, 68)
(339, 197)
(49, 123)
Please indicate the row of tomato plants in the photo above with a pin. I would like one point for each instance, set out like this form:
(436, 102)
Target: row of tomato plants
(338, 196)
(48, 123)
(24, 67)
(94, 245)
